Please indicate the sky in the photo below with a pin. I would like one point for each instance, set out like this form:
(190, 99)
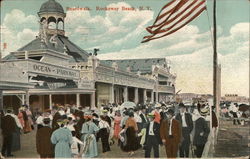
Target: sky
(118, 35)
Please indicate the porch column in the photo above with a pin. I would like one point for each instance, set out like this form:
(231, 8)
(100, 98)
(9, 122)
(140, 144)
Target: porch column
(77, 100)
(125, 94)
(92, 101)
(111, 100)
(156, 97)
(50, 101)
(23, 99)
(152, 96)
(145, 96)
(136, 96)
(1, 99)
(27, 100)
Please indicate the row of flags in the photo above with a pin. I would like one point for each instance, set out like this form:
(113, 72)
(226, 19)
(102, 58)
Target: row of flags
(173, 16)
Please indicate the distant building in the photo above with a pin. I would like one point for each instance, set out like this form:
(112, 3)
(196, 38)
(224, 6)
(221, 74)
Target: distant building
(156, 68)
(192, 97)
(234, 98)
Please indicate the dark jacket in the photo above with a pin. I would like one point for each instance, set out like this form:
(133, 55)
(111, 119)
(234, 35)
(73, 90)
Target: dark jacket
(214, 120)
(189, 121)
(144, 120)
(8, 125)
(156, 129)
(43, 143)
(54, 121)
(201, 126)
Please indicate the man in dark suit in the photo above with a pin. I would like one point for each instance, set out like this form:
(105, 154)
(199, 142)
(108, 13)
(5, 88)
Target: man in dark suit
(143, 116)
(153, 139)
(44, 146)
(186, 123)
(202, 131)
(8, 126)
(170, 132)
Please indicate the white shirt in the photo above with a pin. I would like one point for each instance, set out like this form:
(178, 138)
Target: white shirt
(137, 118)
(61, 112)
(170, 127)
(184, 124)
(71, 127)
(103, 124)
(151, 128)
(39, 120)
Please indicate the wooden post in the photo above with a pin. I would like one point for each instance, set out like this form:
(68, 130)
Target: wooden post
(50, 101)
(78, 100)
(125, 94)
(136, 96)
(1, 99)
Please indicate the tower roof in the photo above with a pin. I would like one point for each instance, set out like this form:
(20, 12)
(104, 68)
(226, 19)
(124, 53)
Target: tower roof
(51, 6)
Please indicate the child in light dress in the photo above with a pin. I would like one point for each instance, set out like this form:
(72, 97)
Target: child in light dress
(74, 145)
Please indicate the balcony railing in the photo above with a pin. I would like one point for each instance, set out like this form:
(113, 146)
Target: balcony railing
(166, 89)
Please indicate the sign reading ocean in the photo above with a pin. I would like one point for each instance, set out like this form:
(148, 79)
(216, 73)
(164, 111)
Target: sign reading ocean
(51, 70)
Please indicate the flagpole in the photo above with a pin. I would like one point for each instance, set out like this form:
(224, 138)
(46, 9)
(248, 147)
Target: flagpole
(215, 60)
(215, 67)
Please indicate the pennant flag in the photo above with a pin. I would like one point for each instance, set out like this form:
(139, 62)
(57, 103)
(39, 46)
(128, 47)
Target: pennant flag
(173, 16)
(4, 45)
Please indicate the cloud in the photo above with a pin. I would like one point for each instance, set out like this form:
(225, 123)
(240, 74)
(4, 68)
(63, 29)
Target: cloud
(17, 30)
(191, 55)
(119, 28)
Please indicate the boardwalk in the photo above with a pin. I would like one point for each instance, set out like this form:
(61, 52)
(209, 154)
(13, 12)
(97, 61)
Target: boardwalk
(233, 140)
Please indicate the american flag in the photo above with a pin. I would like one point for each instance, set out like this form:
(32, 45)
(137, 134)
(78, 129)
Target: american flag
(173, 16)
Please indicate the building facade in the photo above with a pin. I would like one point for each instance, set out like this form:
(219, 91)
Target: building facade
(58, 72)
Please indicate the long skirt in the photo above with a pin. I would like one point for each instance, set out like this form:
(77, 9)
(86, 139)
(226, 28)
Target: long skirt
(132, 140)
(91, 146)
(104, 135)
(27, 127)
(16, 143)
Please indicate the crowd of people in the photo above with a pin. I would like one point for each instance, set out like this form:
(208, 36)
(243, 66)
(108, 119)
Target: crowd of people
(66, 132)
(233, 111)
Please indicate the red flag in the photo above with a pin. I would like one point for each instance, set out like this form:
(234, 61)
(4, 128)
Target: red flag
(173, 16)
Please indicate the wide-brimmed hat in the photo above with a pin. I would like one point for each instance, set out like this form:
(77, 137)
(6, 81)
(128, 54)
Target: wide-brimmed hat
(61, 106)
(46, 120)
(204, 110)
(170, 111)
(181, 105)
(47, 111)
(152, 115)
(157, 105)
(61, 121)
(88, 115)
(104, 110)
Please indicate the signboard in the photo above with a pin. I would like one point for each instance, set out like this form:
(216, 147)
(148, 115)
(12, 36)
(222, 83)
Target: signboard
(83, 84)
(40, 68)
(56, 85)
